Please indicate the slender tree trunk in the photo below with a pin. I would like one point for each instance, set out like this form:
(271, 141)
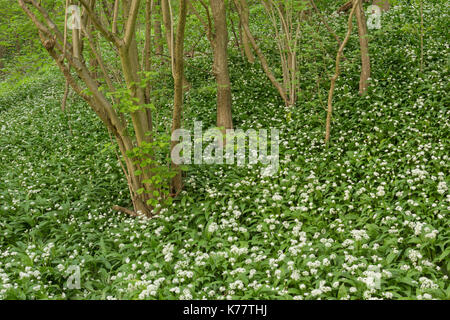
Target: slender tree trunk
(220, 67)
(168, 28)
(168, 31)
(93, 62)
(383, 4)
(348, 5)
(245, 40)
(337, 71)
(364, 48)
(76, 43)
(178, 79)
(313, 4)
(115, 15)
(237, 39)
(265, 65)
(157, 27)
(147, 45)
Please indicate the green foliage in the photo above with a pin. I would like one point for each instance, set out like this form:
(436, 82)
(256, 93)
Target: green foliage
(21, 51)
(376, 199)
(152, 157)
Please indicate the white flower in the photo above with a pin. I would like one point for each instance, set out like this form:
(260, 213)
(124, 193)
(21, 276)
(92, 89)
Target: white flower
(295, 275)
(316, 292)
(238, 251)
(359, 234)
(238, 284)
(167, 251)
(442, 187)
(426, 283)
(277, 197)
(380, 191)
(414, 255)
(186, 294)
(212, 227)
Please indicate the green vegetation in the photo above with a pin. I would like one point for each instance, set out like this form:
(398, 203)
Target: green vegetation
(372, 204)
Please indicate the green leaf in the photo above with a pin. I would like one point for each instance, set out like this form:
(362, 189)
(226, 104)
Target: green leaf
(342, 291)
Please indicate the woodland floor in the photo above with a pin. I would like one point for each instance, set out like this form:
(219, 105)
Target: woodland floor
(373, 205)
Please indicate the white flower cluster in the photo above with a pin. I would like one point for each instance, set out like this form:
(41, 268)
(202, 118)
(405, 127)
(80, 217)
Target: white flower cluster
(238, 251)
(372, 277)
(168, 252)
(213, 227)
(151, 289)
(295, 275)
(238, 284)
(359, 234)
(28, 273)
(421, 174)
(322, 289)
(414, 255)
(426, 283)
(186, 294)
(380, 191)
(442, 187)
(277, 197)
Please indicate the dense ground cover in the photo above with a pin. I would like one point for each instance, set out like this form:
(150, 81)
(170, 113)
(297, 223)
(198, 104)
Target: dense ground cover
(373, 205)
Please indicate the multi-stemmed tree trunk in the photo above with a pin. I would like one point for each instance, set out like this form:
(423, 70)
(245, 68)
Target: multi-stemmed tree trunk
(287, 32)
(265, 65)
(68, 56)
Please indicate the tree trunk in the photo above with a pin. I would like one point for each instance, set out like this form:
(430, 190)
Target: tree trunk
(245, 40)
(147, 45)
(178, 79)
(167, 21)
(383, 4)
(168, 28)
(347, 6)
(157, 27)
(65, 55)
(220, 67)
(364, 48)
(337, 72)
